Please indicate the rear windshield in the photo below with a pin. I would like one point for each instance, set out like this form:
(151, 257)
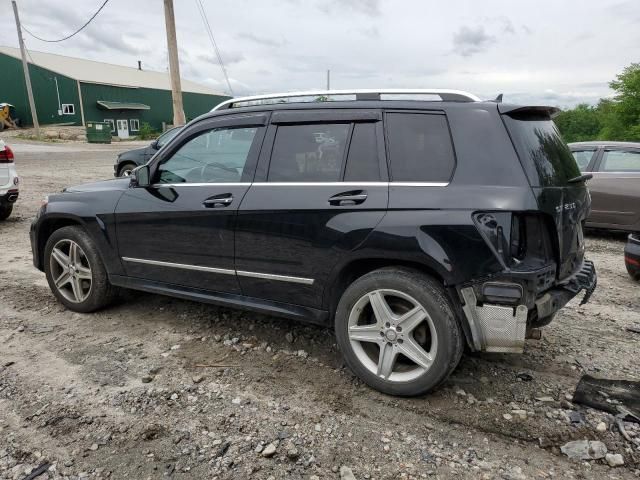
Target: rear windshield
(544, 155)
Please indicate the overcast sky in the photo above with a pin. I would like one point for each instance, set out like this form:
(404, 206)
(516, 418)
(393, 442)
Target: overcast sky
(543, 51)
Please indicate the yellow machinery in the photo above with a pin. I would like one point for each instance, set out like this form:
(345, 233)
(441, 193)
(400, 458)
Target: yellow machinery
(7, 116)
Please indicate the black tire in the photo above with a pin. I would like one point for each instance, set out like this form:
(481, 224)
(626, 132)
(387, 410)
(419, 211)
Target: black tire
(431, 295)
(5, 211)
(126, 167)
(634, 272)
(101, 293)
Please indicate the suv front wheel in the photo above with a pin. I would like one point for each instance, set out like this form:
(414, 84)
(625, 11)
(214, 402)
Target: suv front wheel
(397, 331)
(75, 272)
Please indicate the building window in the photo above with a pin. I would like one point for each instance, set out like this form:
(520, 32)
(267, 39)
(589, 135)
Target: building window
(113, 124)
(135, 124)
(68, 109)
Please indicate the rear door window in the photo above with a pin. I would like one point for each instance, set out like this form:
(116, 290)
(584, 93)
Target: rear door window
(542, 151)
(583, 158)
(420, 147)
(620, 161)
(309, 152)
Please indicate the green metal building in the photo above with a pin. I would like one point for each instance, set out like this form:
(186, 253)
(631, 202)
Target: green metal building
(74, 91)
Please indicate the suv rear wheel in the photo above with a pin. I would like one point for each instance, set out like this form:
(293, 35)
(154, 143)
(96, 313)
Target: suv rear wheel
(397, 331)
(75, 271)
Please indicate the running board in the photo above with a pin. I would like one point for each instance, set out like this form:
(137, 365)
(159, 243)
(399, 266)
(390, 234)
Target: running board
(267, 307)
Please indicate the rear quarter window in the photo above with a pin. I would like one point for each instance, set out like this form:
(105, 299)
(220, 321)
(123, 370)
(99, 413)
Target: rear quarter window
(420, 147)
(544, 155)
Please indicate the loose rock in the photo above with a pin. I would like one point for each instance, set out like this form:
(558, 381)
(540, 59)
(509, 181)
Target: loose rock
(614, 459)
(584, 450)
(269, 451)
(346, 473)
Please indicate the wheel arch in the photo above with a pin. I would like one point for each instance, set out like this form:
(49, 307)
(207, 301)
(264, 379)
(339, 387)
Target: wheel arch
(46, 228)
(354, 269)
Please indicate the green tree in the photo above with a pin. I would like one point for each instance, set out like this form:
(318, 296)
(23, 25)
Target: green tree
(616, 118)
(627, 101)
(580, 123)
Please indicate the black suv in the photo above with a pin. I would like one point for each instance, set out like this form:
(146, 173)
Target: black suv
(411, 226)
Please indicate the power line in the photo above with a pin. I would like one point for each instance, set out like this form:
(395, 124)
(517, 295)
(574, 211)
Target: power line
(203, 14)
(68, 36)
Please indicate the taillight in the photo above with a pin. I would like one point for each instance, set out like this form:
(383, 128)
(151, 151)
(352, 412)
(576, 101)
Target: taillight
(516, 237)
(6, 155)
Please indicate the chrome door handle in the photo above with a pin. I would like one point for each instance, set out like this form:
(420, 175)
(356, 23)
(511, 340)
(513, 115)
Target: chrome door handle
(355, 197)
(218, 201)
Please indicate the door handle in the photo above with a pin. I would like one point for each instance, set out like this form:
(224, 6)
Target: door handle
(354, 197)
(216, 201)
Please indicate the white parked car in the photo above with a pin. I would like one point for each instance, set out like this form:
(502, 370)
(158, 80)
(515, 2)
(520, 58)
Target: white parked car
(8, 181)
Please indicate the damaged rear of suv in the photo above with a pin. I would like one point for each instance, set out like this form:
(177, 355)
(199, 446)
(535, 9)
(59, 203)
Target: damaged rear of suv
(540, 250)
(411, 225)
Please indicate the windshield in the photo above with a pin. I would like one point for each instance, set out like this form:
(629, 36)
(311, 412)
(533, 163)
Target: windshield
(542, 151)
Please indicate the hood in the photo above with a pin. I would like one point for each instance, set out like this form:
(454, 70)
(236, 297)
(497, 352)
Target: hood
(116, 184)
(132, 154)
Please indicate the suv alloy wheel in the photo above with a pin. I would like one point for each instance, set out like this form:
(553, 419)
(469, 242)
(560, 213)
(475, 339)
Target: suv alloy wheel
(75, 272)
(397, 331)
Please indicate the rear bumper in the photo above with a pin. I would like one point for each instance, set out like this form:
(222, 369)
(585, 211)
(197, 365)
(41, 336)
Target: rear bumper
(498, 327)
(10, 197)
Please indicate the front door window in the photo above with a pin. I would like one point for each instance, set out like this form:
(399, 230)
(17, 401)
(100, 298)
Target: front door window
(213, 156)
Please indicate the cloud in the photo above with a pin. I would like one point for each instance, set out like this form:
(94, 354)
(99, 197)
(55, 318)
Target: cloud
(229, 58)
(338, 7)
(468, 41)
(269, 42)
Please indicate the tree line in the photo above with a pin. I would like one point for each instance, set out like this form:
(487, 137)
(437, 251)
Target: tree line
(616, 118)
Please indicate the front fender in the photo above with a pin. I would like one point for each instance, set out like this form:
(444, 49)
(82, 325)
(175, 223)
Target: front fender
(93, 211)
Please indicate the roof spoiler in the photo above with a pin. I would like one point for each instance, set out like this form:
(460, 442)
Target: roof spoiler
(507, 109)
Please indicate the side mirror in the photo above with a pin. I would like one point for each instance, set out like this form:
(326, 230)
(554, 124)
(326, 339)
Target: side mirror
(155, 145)
(140, 177)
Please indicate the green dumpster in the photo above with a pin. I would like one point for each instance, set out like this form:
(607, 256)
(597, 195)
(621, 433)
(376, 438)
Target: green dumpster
(98, 132)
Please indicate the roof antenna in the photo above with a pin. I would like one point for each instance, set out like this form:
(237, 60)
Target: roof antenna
(498, 99)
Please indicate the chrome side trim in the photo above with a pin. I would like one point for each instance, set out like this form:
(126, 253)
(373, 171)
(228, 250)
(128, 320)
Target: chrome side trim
(185, 184)
(352, 184)
(321, 184)
(270, 276)
(184, 266)
(418, 184)
(306, 184)
(224, 271)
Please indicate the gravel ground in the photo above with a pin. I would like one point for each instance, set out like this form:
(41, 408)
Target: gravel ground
(156, 387)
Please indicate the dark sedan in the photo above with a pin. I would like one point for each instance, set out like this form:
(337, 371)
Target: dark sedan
(615, 186)
(131, 159)
(632, 256)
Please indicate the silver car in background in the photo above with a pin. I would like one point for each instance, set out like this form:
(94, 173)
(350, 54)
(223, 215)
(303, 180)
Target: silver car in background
(9, 181)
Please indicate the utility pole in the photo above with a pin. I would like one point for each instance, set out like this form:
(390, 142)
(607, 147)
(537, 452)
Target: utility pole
(25, 66)
(174, 65)
(328, 79)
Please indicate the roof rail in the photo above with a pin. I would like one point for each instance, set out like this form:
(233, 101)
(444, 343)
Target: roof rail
(361, 94)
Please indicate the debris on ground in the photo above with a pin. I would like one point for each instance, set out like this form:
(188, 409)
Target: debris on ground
(609, 395)
(584, 450)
